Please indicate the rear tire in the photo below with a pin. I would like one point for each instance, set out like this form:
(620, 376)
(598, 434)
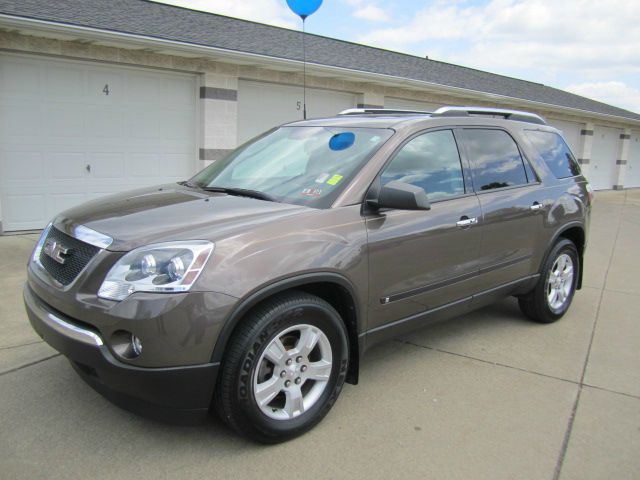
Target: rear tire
(284, 368)
(552, 295)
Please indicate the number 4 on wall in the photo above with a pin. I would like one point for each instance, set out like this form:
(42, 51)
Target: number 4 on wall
(105, 90)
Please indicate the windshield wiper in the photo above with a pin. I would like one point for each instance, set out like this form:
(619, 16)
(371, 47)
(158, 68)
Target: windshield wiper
(243, 192)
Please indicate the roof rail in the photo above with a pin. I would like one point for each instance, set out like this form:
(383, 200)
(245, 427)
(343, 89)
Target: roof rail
(507, 114)
(382, 111)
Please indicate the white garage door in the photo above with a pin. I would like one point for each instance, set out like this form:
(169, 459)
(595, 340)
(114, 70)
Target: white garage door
(604, 153)
(570, 132)
(632, 177)
(73, 131)
(403, 104)
(262, 106)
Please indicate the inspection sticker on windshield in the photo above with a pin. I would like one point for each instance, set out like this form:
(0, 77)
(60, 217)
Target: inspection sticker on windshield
(323, 177)
(334, 180)
(312, 192)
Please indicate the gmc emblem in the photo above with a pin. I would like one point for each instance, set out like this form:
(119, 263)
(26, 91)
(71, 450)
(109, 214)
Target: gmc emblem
(56, 251)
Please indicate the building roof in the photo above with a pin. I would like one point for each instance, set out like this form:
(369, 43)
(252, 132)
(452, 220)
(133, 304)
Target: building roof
(154, 20)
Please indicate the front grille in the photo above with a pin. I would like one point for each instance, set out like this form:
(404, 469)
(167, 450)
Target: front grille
(76, 259)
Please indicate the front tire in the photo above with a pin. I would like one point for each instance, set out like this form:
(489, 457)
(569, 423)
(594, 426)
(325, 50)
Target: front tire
(284, 368)
(553, 294)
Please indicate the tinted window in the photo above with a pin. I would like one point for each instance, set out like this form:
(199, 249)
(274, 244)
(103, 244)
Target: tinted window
(430, 161)
(496, 159)
(555, 153)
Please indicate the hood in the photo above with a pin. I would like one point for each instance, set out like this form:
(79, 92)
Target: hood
(171, 212)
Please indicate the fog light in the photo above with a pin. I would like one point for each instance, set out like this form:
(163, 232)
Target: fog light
(125, 344)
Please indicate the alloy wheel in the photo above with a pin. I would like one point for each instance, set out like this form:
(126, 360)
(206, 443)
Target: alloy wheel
(293, 372)
(560, 282)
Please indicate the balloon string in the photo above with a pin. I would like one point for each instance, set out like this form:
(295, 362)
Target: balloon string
(304, 74)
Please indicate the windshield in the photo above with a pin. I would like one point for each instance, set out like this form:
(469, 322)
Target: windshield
(301, 165)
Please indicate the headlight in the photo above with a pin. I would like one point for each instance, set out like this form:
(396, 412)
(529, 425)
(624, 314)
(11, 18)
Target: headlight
(161, 268)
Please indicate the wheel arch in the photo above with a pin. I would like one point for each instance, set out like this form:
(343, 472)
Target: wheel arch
(334, 288)
(576, 233)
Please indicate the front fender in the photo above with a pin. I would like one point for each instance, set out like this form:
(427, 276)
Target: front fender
(319, 246)
(266, 291)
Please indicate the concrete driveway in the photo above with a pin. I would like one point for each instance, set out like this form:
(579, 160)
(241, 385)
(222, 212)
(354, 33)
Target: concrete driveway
(485, 396)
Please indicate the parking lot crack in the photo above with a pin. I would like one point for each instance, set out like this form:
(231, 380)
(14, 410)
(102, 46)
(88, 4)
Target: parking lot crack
(30, 364)
(9, 347)
(574, 409)
(611, 391)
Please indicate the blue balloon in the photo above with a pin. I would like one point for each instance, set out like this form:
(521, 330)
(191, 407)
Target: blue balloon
(304, 8)
(341, 141)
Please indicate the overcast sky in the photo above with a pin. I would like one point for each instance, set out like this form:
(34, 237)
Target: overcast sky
(588, 47)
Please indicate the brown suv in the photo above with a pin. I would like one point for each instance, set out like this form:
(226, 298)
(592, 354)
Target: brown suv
(256, 286)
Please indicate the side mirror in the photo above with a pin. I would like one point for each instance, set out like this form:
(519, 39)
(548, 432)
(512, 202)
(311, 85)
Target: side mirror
(400, 196)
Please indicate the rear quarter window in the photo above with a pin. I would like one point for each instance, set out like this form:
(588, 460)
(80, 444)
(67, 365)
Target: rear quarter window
(555, 153)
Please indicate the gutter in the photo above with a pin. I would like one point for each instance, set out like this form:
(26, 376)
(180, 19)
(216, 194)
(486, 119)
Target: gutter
(147, 42)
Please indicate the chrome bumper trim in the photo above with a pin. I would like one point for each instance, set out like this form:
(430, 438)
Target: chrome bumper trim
(72, 331)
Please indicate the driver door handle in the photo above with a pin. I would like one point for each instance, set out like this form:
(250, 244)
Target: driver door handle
(466, 222)
(535, 206)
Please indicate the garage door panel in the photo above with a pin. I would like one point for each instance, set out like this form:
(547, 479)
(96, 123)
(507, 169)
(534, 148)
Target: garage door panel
(20, 166)
(324, 103)
(59, 120)
(103, 123)
(142, 165)
(107, 165)
(143, 89)
(174, 95)
(105, 87)
(171, 165)
(65, 82)
(64, 121)
(262, 106)
(632, 175)
(21, 122)
(138, 125)
(28, 209)
(604, 153)
(66, 165)
(174, 125)
(19, 80)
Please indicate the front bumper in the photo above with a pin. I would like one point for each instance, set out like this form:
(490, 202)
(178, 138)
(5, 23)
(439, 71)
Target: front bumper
(179, 394)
